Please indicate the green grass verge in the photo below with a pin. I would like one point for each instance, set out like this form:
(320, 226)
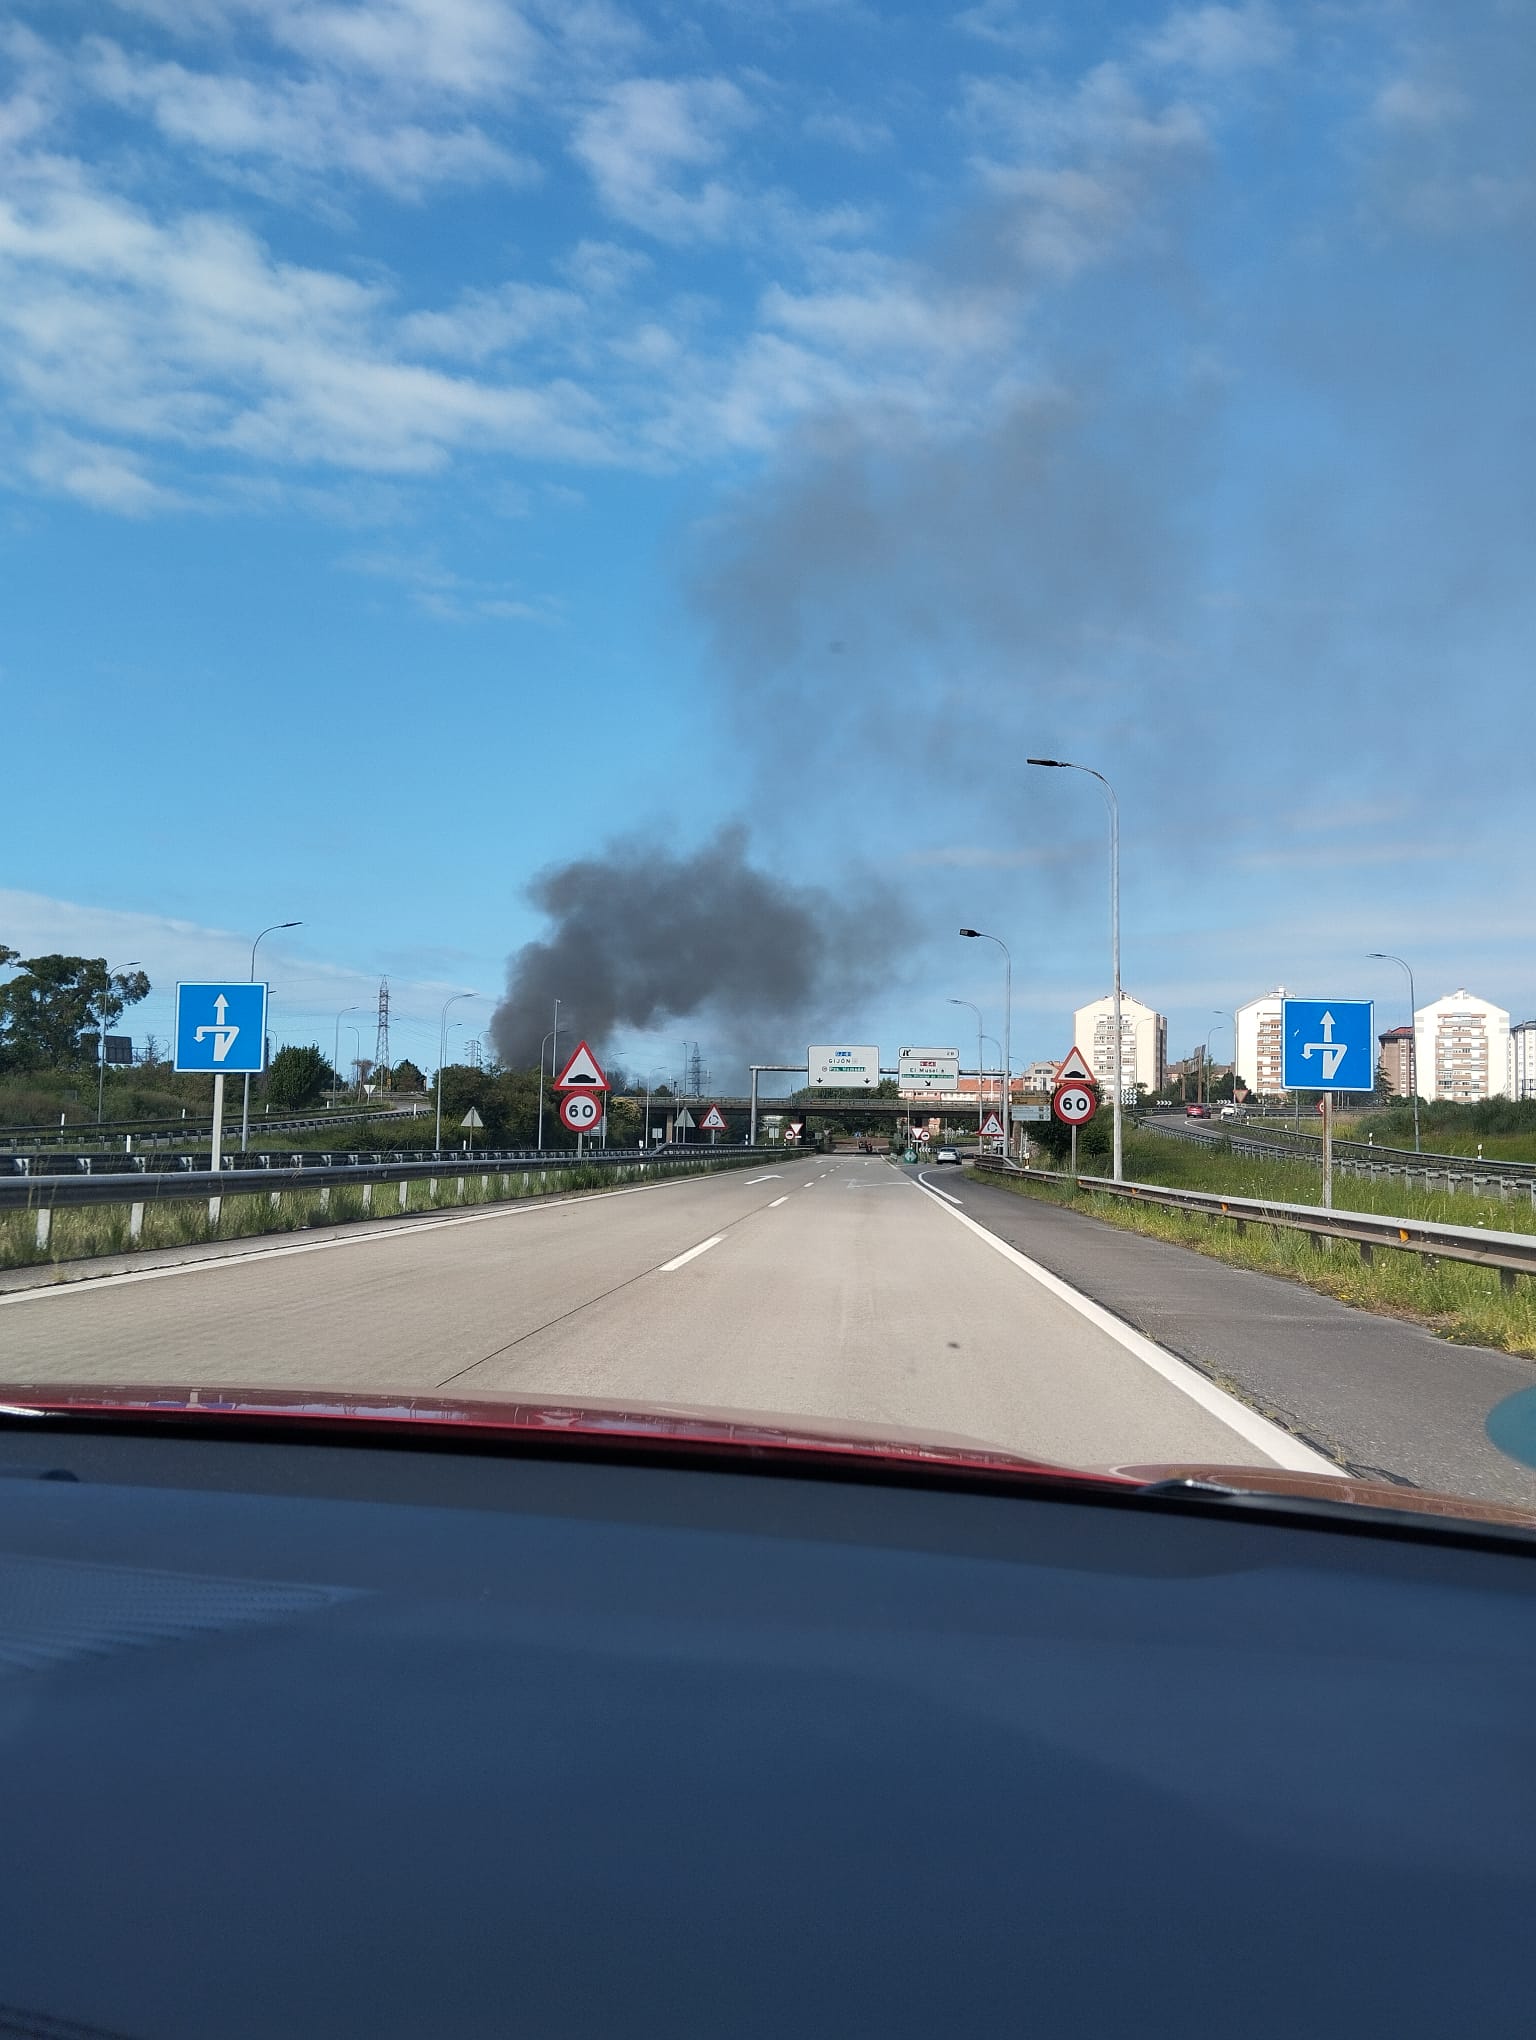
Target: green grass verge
(1459, 1302)
(84, 1232)
(1211, 1165)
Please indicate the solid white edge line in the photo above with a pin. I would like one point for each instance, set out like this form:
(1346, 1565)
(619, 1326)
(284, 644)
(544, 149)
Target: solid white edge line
(1271, 1439)
(92, 1285)
(934, 1188)
(777, 1202)
(693, 1253)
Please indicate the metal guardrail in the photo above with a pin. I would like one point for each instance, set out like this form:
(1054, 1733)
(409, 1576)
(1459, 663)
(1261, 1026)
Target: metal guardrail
(14, 1139)
(1359, 1158)
(1513, 1254)
(149, 1164)
(58, 1192)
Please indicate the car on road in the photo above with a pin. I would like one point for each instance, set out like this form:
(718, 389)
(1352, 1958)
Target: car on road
(1228, 1112)
(947, 1154)
(1197, 1111)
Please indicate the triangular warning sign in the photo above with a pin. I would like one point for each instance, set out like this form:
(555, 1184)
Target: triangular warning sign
(683, 1120)
(713, 1120)
(991, 1127)
(1075, 1070)
(581, 1073)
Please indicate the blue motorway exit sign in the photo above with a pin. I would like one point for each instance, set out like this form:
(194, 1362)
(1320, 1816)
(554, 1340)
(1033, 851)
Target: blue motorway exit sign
(1328, 1044)
(221, 1027)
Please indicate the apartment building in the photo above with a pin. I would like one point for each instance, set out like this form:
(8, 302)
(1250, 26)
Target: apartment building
(1143, 1044)
(1396, 1060)
(1463, 1045)
(1260, 1050)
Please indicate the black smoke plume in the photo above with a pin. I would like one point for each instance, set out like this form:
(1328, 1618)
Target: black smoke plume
(644, 936)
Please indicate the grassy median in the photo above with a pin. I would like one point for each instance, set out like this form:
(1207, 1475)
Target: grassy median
(1456, 1301)
(84, 1232)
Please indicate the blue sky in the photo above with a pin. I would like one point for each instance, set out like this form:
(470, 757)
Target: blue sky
(441, 436)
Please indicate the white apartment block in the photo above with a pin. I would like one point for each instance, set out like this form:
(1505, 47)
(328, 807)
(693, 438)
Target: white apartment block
(1037, 1076)
(1462, 1046)
(1143, 1044)
(1260, 1054)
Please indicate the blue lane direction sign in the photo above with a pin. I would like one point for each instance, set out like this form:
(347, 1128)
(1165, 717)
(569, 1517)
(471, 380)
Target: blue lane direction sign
(221, 1028)
(1328, 1044)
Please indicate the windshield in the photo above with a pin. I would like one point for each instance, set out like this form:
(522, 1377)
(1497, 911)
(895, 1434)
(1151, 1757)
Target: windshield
(816, 713)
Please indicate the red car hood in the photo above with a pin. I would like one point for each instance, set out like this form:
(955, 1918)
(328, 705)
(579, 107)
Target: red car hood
(720, 1435)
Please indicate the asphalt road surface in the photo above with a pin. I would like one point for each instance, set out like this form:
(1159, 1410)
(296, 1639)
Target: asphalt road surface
(818, 1287)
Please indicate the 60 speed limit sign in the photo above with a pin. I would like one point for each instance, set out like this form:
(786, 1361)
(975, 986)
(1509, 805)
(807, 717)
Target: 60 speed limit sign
(1074, 1104)
(581, 1110)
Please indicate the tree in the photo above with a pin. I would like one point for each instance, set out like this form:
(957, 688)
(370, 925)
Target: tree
(408, 1078)
(297, 1077)
(54, 1010)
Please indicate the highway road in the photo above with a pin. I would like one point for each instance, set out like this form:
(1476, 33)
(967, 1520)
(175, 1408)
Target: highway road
(837, 1287)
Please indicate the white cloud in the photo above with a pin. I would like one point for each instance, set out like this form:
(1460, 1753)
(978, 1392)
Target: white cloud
(897, 312)
(103, 477)
(603, 268)
(451, 597)
(1219, 41)
(846, 130)
(190, 333)
(482, 323)
(1419, 103)
(476, 48)
(648, 146)
(1005, 23)
(308, 125)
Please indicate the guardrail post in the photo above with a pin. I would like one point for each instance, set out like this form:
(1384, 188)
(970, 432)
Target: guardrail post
(461, 1189)
(432, 1190)
(1367, 1253)
(367, 1197)
(135, 1221)
(405, 1192)
(215, 1206)
(275, 1199)
(325, 1198)
(1508, 1278)
(44, 1225)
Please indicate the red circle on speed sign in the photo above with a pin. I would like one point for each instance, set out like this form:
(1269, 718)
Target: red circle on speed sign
(1074, 1104)
(580, 1111)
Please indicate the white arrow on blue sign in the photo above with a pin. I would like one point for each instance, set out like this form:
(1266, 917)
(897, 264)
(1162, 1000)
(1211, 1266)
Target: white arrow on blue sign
(1327, 1044)
(221, 1028)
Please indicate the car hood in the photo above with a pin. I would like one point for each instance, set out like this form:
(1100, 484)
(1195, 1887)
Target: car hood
(721, 1435)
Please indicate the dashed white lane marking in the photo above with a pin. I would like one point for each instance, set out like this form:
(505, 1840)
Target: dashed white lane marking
(692, 1254)
(777, 1202)
(1271, 1440)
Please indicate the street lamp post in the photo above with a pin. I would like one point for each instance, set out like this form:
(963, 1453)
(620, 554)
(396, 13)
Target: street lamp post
(1383, 956)
(991, 1041)
(101, 1035)
(245, 1105)
(1222, 1014)
(979, 935)
(442, 1050)
(1118, 1086)
(336, 1043)
(981, 1109)
(549, 1037)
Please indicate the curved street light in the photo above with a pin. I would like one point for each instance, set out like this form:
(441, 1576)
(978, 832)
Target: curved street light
(245, 1103)
(1118, 1086)
(980, 935)
(442, 1050)
(980, 1103)
(1384, 956)
(336, 1047)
